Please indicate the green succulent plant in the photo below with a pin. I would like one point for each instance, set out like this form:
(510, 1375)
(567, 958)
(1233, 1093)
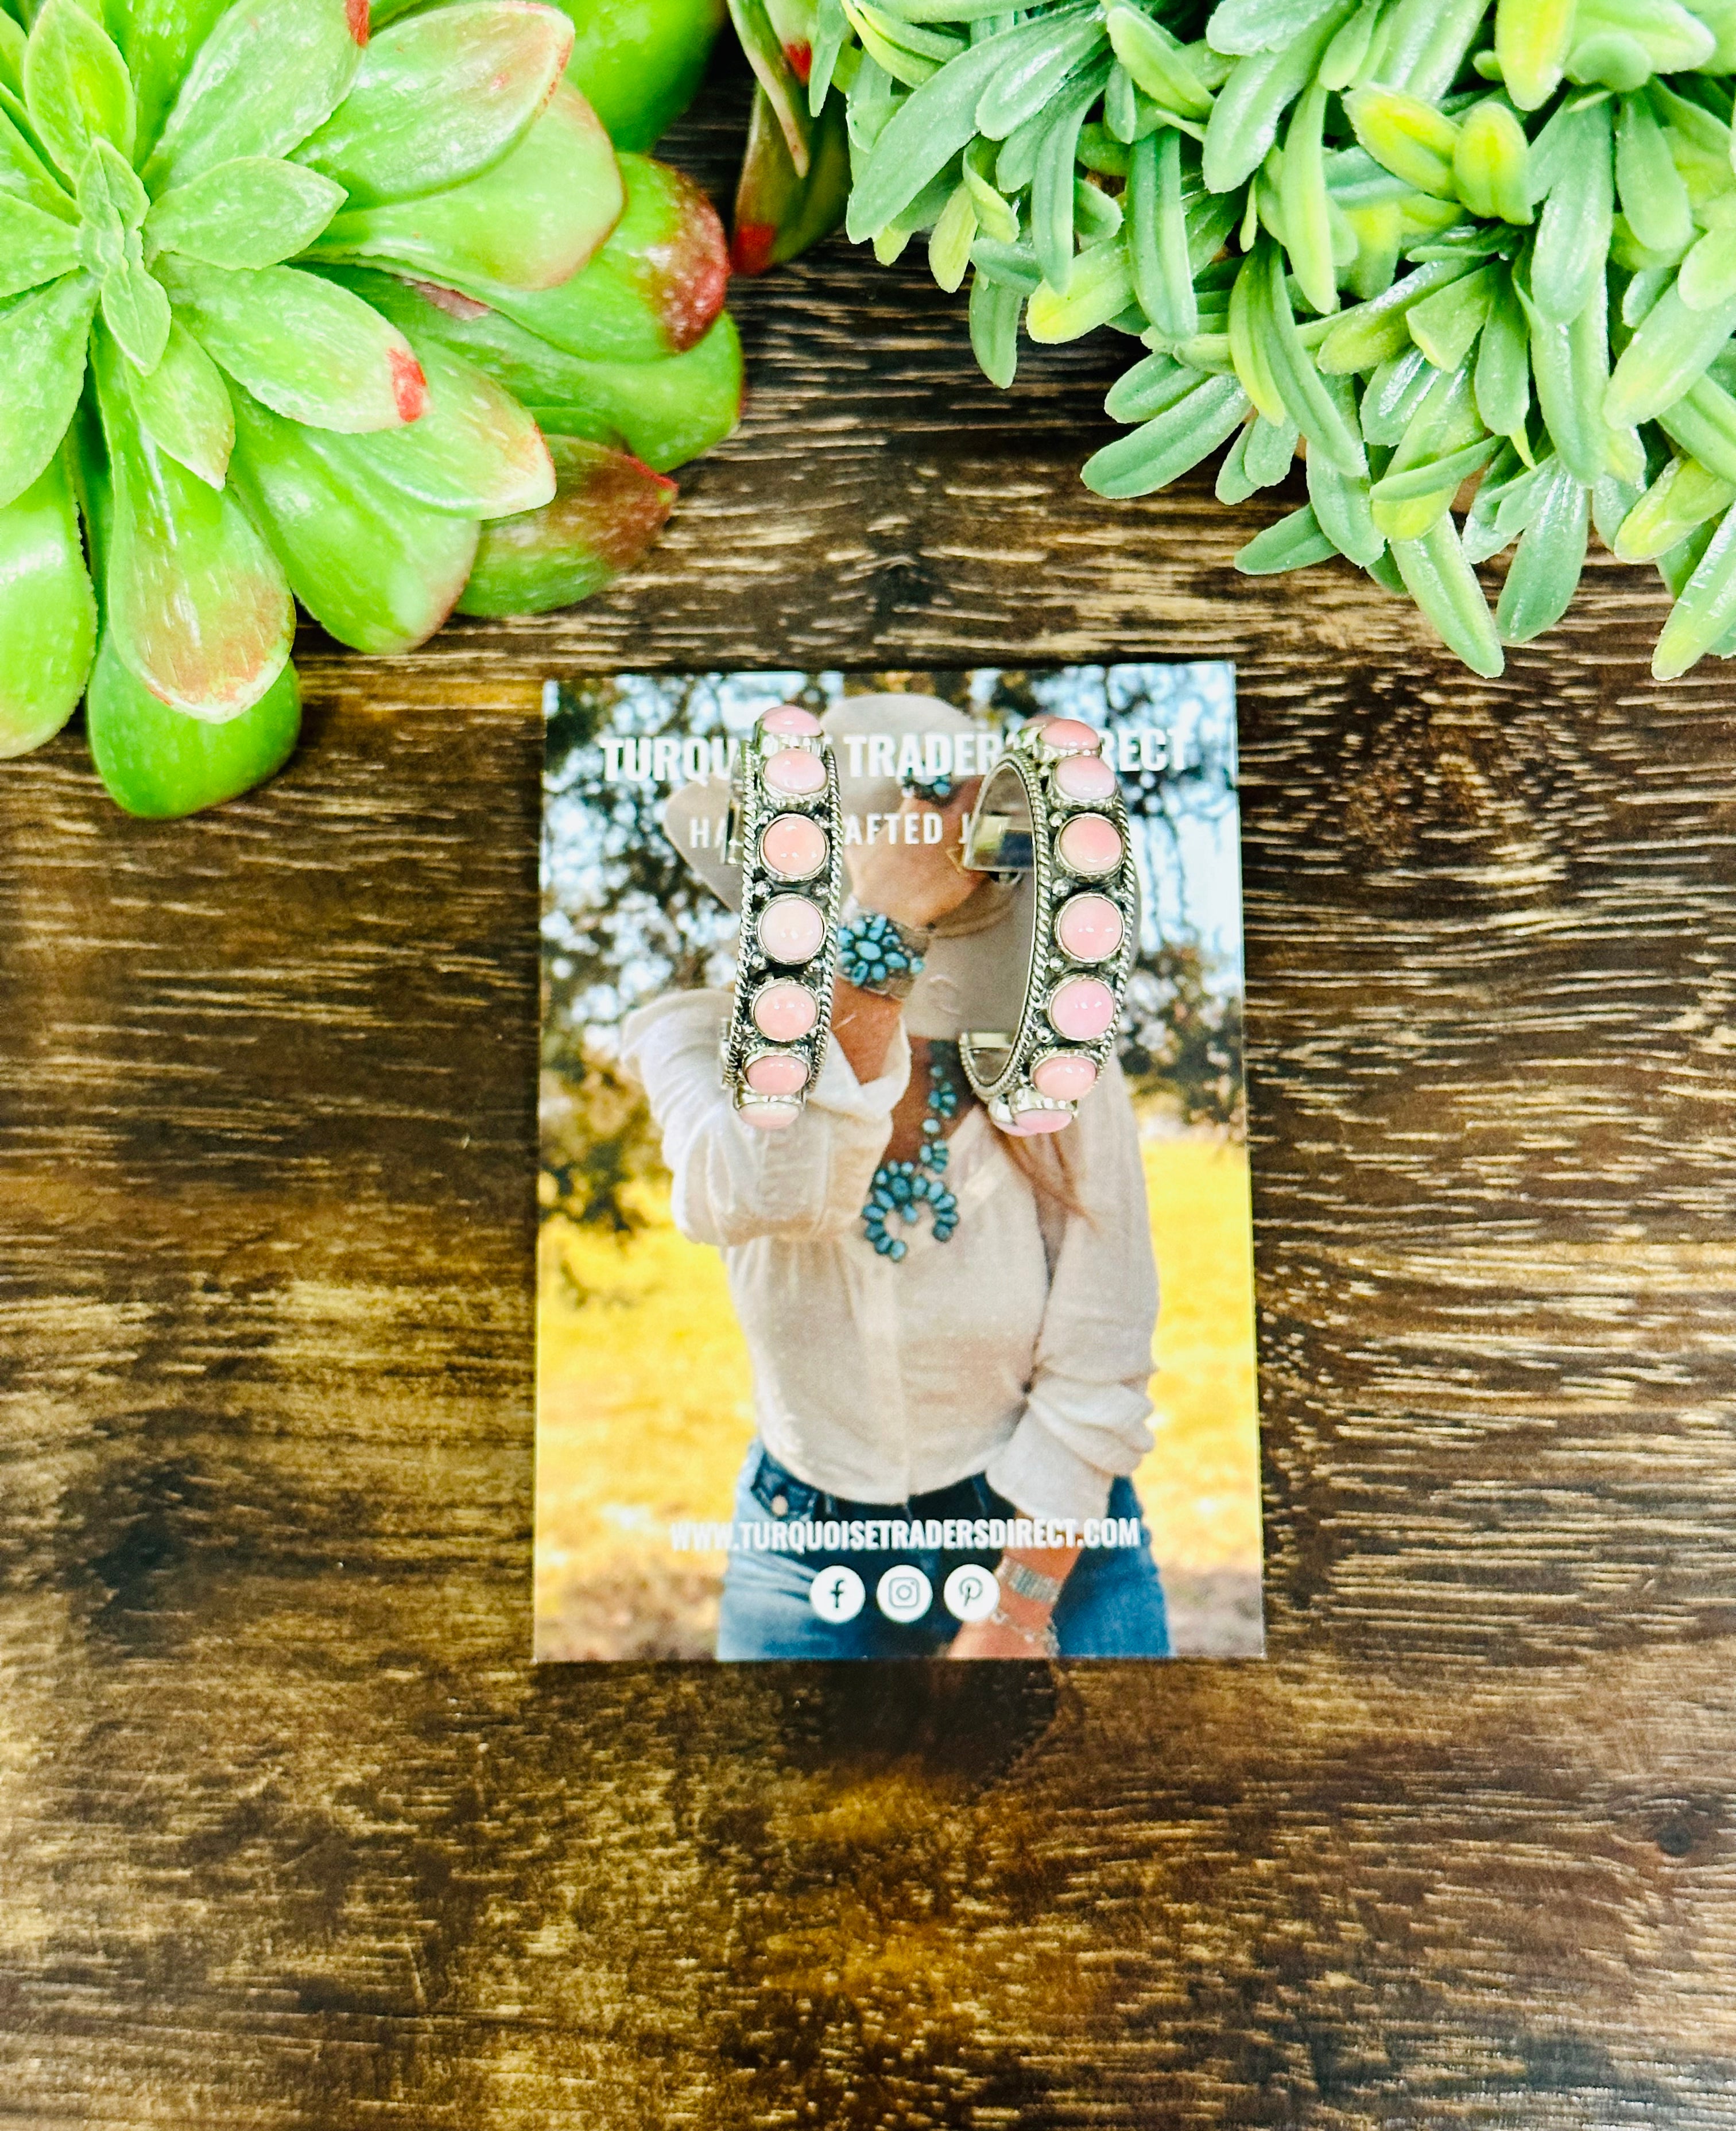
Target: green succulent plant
(1429, 242)
(271, 278)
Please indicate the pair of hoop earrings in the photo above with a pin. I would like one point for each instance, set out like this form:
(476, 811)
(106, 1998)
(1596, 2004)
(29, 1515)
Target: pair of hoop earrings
(1049, 819)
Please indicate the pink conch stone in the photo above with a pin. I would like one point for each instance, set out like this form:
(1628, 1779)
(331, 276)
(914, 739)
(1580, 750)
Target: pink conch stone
(1090, 844)
(1064, 1079)
(794, 847)
(779, 1073)
(1071, 736)
(1090, 928)
(770, 1117)
(1030, 1123)
(785, 1012)
(794, 771)
(1084, 779)
(789, 718)
(791, 929)
(1082, 1009)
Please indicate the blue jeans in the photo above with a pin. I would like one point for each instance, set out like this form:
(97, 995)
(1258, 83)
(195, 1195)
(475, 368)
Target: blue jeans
(1111, 1606)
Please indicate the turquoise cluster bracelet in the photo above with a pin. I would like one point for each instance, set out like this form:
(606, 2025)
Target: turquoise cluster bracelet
(876, 953)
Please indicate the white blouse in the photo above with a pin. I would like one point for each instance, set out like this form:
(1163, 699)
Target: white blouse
(875, 1381)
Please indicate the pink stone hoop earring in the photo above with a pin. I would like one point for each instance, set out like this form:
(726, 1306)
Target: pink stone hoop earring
(786, 835)
(1050, 815)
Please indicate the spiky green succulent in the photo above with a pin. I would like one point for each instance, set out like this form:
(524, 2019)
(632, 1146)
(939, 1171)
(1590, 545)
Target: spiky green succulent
(286, 310)
(1432, 242)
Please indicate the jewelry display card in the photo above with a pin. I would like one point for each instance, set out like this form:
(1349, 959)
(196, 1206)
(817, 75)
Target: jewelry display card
(895, 1280)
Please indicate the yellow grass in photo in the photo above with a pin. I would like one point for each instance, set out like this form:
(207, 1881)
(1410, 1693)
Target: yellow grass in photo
(645, 1406)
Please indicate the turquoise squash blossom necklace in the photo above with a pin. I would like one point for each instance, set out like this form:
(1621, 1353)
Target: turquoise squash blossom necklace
(900, 1190)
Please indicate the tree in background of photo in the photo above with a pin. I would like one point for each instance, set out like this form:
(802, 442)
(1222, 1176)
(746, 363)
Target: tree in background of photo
(623, 920)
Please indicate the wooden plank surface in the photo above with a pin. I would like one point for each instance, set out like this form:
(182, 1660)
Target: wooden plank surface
(291, 1836)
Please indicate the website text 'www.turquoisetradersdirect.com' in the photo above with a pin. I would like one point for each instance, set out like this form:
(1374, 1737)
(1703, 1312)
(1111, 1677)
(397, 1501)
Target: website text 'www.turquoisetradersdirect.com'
(883, 1535)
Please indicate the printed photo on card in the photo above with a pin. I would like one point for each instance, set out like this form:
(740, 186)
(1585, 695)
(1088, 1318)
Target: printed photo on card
(895, 1281)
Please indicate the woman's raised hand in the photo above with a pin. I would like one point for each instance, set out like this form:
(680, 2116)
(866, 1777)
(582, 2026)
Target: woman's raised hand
(915, 883)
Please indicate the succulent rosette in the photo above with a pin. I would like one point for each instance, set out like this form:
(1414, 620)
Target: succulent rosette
(296, 307)
(1476, 261)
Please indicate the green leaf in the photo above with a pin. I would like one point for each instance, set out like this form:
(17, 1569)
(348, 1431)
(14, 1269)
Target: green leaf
(1671, 349)
(136, 311)
(184, 404)
(1341, 506)
(1445, 588)
(1307, 210)
(1028, 80)
(1705, 613)
(24, 175)
(1246, 114)
(994, 328)
(194, 604)
(1239, 26)
(1376, 332)
(1252, 339)
(1295, 542)
(532, 221)
(1570, 364)
(930, 127)
(76, 87)
(1490, 164)
(1407, 137)
(160, 763)
(1504, 366)
(1573, 236)
(1446, 325)
(42, 338)
(474, 452)
(253, 212)
(1653, 197)
(310, 350)
(764, 51)
(439, 99)
(1530, 41)
(263, 80)
(1552, 554)
(1051, 192)
(1707, 280)
(1157, 63)
(655, 286)
(1150, 387)
(48, 612)
(1158, 452)
(379, 572)
(664, 413)
(1157, 237)
(35, 247)
(12, 53)
(1683, 497)
(608, 510)
(158, 39)
(1100, 288)
(109, 190)
(1703, 422)
(1300, 385)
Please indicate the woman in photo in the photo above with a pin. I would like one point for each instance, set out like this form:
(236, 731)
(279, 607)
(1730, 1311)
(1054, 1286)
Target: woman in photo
(988, 1358)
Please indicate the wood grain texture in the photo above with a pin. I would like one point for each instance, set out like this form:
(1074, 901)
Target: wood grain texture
(291, 1835)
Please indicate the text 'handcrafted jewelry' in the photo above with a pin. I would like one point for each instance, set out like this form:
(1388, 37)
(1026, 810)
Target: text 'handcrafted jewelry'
(786, 835)
(1050, 818)
(900, 1190)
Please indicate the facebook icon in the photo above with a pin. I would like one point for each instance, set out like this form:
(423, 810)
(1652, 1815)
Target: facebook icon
(836, 1595)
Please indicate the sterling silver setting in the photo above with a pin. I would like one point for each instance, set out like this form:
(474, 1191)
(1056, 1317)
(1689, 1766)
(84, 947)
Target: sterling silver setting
(1043, 819)
(787, 960)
